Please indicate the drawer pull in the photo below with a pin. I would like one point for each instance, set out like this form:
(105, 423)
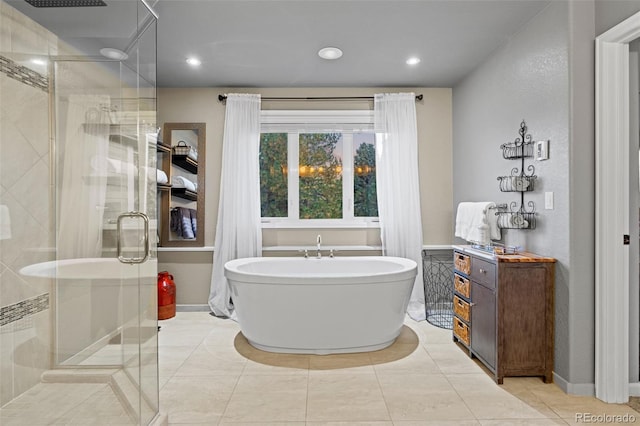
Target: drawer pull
(483, 271)
(472, 304)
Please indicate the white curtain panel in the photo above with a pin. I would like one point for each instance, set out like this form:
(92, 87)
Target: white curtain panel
(238, 232)
(398, 185)
(84, 147)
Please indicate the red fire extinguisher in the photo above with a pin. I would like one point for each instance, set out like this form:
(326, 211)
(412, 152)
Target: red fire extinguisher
(166, 296)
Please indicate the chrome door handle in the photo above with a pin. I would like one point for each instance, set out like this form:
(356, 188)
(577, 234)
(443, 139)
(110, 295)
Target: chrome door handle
(132, 260)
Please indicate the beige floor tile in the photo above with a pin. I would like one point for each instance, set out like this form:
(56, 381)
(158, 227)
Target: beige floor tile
(410, 333)
(488, 400)
(450, 359)
(422, 397)
(339, 397)
(260, 423)
(196, 400)
(370, 423)
(357, 363)
(523, 422)
(568, 406)
(268, 398)
(207, 362)
(437, 423)
(403, 359)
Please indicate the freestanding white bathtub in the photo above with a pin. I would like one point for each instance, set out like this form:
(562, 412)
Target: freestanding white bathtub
(321, 306)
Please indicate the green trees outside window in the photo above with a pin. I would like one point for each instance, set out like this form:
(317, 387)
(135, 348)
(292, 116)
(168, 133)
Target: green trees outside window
(322, 166)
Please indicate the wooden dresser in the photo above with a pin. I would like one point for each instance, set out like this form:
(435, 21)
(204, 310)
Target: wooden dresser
(503, 307)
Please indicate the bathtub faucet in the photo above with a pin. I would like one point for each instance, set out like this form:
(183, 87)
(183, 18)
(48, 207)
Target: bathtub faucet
(319, 241)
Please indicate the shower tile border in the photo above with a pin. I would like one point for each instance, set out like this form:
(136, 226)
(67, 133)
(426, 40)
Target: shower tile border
(23, 309)
(23, 74)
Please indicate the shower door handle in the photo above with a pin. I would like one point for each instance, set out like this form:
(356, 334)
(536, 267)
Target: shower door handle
(145, 219)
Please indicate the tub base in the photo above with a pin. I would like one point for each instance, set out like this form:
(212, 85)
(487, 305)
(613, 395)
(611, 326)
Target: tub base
(371, 348)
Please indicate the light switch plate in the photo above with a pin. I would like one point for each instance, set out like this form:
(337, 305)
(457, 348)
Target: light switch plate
(548, 200)
(542, 150)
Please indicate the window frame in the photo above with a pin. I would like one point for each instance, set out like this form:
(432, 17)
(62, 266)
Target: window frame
(296, 122)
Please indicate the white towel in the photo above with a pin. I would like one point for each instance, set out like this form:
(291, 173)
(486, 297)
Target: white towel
(473, 222)
(161, 177)
(182, 182)
(5, 223)
(492, 219)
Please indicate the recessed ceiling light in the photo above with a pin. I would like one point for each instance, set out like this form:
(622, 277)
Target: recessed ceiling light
(413, 61)
(111, 53)
(194, 62)
(330, 53)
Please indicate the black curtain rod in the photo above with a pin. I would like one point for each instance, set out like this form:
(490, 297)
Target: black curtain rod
(223, 98)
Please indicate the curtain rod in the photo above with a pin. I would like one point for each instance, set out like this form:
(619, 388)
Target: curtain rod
(223, 98)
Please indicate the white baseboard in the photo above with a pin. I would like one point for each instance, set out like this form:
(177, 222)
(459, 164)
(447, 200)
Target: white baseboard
(193, 308)
(634, 389)
(582, 389)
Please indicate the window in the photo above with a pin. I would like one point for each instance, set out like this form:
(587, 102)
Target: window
(318, 167)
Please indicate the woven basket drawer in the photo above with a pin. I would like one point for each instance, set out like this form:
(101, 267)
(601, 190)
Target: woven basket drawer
(461, 285)
(462, 263)
(461, 330)
(461, 308)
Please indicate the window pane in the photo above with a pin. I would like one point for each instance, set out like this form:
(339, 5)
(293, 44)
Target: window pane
(273, 175)
(365, 200)
(320, 166)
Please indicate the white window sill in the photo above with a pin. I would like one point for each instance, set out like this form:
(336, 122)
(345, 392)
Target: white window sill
(317, 224)
(325, 249)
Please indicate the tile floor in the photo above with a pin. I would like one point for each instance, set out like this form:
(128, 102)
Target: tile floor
(210, 375)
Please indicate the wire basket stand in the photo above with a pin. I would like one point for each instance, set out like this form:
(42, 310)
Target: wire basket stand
(437, 273)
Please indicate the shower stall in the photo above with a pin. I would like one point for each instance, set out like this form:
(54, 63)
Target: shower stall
(78, 228)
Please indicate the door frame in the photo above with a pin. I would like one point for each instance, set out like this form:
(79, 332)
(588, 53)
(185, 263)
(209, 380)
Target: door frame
(612, 212)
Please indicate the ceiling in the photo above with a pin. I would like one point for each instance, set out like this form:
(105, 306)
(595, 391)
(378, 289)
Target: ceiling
(274, 43)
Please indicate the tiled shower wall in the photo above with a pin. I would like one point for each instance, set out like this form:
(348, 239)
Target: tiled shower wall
(25, 314)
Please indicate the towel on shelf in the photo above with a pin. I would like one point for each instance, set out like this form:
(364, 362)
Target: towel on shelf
(161, 177)
(5, 223)
(182, 182)
(473, 222)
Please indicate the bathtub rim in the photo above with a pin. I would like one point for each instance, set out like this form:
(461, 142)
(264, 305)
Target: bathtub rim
(231, 272)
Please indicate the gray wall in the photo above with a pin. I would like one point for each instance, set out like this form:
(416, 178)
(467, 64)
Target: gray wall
(528, 78)
(609, 13)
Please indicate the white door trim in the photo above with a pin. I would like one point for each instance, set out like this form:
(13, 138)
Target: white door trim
(612, 210)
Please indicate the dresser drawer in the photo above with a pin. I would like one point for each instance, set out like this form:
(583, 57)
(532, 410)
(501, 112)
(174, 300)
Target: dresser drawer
(461, 330)
(461, 309)
(483, 272)
(462, 262)
(461, 285)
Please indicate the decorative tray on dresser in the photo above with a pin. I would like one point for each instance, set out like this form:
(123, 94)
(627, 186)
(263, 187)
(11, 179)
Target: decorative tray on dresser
(504, 313)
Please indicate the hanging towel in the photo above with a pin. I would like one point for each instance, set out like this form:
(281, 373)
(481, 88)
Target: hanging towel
(5, 223)
(185, 222)
(473, 223)
(194, 222)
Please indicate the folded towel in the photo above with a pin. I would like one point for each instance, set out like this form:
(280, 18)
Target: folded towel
(161, 177)
(472, 223)
(5, 223)
(182, 182)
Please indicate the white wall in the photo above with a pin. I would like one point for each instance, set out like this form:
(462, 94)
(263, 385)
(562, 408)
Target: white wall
(434, 114)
